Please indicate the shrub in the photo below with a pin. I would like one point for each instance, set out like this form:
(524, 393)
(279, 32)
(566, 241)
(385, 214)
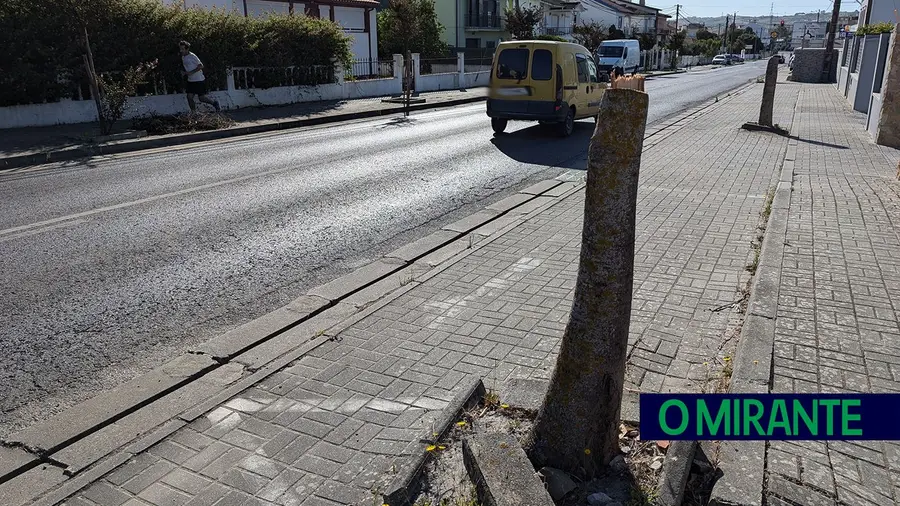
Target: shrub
(42, 41)
(875, 29)
(114, 92)
(555, 38)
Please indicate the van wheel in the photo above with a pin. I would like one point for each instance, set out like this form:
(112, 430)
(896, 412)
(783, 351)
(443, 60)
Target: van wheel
(568, 125)
(499, 125)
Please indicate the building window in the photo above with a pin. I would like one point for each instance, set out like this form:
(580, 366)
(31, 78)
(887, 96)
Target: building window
(473, 43)
(619, 25)
(489, 44)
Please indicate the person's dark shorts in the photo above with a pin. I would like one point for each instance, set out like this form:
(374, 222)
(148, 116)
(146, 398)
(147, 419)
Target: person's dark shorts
(196, 87)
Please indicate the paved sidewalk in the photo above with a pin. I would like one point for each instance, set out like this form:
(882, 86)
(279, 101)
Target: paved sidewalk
(837, 323)
(30, 141)
(325, 429)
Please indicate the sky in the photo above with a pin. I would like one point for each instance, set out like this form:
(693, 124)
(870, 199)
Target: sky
(758, 8)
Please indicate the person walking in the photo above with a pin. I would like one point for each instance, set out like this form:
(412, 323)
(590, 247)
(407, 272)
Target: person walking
(196, 81)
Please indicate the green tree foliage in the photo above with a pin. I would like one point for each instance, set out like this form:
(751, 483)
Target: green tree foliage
(676, 43)
(704, 34)
(521, 21)
(410, 25)
(647, 41)
(554, 38)
(43, 43)
(590, 35)
(875, 29)
(615, 33)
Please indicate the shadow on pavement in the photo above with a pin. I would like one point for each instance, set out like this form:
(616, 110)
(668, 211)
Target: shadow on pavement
(818, 143)
(540, 145)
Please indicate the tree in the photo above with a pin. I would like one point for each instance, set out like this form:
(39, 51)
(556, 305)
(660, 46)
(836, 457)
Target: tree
(615, 33)
(521, 21)
(590, 35)
(576, 429)
(647, 41)
(410, 25)
(704, 34)
(676, 43)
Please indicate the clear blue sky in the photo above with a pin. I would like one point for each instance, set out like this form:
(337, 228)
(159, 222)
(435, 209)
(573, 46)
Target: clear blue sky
(759, 8)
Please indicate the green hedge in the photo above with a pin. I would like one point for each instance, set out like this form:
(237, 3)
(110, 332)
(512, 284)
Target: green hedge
(42, 52)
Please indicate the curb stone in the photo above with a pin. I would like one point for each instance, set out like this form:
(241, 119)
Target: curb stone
(69, 154)
(743, 462)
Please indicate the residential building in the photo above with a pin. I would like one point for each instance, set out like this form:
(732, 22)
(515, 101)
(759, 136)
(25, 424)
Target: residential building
(878, 11)
(357, 17)
(691, 29)
(637, 18)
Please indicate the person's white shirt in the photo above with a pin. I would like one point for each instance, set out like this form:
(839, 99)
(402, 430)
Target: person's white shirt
(190, 62)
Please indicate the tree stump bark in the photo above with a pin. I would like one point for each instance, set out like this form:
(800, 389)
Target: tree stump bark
(577, 427)
(768, 101)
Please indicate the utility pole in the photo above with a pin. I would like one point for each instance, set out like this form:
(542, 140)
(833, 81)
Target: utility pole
(677, 13)
(829, 42)
(725, 37)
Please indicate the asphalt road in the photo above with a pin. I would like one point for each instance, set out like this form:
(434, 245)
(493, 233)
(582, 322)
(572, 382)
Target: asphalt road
(110, 267)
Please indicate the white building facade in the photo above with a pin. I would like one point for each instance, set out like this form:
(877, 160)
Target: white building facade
(356, 17)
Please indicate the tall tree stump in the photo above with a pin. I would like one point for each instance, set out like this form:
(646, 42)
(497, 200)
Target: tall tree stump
(577, 427)
(767, 106)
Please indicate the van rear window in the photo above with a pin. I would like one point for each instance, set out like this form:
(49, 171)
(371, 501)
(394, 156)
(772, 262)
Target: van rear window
(542, 65)
(513, 64)
(611, 51)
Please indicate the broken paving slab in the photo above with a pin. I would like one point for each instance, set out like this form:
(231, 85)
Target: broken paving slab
(524, 394)
(25, 487)
(82, 418)
(502, 473)
(13, 459)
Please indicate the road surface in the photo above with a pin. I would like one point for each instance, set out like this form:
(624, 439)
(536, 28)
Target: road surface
(111, 267)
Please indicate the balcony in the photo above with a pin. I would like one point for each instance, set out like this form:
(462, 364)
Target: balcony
(483, 21)
(559, 31)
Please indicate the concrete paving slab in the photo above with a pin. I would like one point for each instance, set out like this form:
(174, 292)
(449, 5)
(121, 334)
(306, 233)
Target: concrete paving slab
(410, 252)
(510, 202)
(502, 473)
(472, 222)
(12, 459)
(541, 187)
(80, 419)
(385, 286)
(360, 278)
(20, 490)
(87, 451)
(305, 332)
(234, 341)
(562, 189)
(526, 394)
(532, 205)
(447, 252)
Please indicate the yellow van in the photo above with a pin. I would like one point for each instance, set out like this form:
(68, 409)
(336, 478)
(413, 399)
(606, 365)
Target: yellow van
(546, 81)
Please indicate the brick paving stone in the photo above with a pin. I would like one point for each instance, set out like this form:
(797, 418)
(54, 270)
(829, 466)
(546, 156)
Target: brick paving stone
(499, 313)
(837, 327)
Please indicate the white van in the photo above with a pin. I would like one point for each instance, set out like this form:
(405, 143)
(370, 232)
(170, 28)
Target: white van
(621, 55)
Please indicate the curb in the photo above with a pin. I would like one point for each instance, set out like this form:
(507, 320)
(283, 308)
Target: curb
(86, 151)
(743, 462)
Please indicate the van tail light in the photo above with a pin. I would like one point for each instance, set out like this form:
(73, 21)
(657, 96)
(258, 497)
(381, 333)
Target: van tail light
(559, 88)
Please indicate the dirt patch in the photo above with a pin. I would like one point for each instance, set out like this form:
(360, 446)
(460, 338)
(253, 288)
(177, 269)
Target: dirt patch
(180, 123)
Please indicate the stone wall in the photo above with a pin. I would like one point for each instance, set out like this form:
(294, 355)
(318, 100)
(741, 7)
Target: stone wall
(808, 65)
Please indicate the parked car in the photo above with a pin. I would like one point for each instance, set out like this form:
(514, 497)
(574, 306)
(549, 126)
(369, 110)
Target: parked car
(554, 83)
(736, 58)
(720, 59)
